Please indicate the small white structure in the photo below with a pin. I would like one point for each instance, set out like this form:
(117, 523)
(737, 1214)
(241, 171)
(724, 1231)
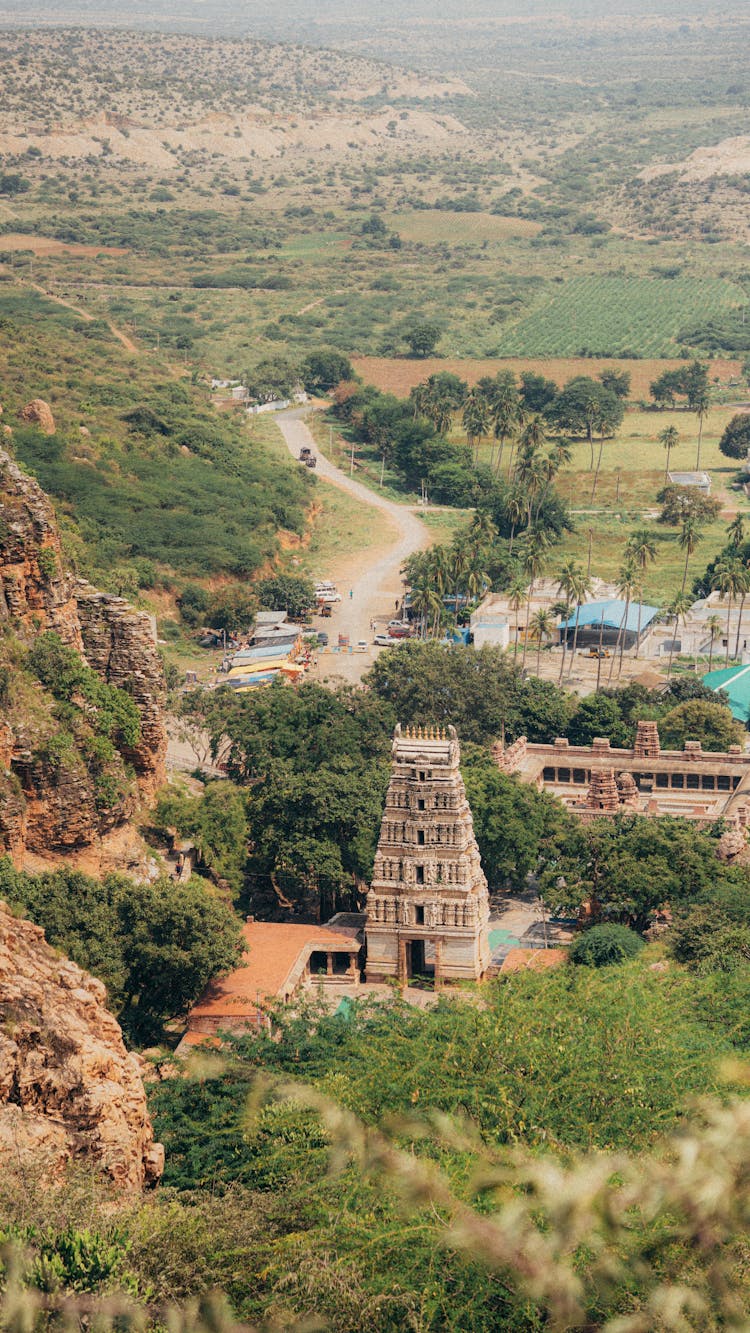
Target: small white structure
(700, 481)
(490, 627)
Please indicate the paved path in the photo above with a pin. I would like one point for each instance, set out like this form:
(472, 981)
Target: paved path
(374, 592)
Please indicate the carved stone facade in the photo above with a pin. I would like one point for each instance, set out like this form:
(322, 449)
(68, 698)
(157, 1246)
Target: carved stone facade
(428, 908)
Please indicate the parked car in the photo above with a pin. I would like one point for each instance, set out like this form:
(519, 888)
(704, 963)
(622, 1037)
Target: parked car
(322, 638)
(385, 641)
(598, 652)
(361, 646)
(400, 630)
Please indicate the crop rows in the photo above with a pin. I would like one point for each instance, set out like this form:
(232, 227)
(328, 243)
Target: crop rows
(611, 316)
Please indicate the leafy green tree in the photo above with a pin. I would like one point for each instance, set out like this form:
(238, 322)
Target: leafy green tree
(598, 715)
(323, 369)
(536, 393)
(232, 609)
(216, 821)
(735, 440)
(422, 338)
(627, 868)
(286, 592)
(155, 946)
(698, 720)
(604, 945)
(616, 381)
(512, 821)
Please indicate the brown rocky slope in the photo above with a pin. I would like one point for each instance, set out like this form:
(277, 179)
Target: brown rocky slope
(50, 801)
(68, 1088)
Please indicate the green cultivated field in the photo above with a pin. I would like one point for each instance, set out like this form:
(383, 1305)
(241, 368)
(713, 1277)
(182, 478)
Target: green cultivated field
(611, 315)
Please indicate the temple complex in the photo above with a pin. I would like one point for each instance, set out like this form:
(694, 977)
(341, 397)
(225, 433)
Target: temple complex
(428, 907)
(599, 779)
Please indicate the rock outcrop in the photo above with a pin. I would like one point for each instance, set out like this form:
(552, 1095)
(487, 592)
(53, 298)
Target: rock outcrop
(120, 644)
(68, 1088)
(35, 592)
(52, 798)
(38, 413)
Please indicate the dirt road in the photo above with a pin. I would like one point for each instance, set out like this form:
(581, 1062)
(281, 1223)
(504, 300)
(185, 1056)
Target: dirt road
(371, 595)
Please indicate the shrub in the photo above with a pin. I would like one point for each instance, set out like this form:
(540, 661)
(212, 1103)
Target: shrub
(604, 945)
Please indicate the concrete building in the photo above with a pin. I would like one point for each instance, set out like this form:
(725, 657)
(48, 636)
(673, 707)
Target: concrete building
(428, 907)
(699, 481)
(599, 779)
(491, 627)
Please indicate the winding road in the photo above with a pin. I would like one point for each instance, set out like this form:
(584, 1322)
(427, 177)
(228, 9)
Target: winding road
(376, 591)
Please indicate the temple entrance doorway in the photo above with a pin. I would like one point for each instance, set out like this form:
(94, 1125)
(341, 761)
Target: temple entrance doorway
(420, 960)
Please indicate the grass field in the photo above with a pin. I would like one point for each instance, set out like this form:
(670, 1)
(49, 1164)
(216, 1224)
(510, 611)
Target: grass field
(436, 227)
(400, 375)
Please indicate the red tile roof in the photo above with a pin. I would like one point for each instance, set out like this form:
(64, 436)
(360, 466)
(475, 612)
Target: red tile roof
(273, 951)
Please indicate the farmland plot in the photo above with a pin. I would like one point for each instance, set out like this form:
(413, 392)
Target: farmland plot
(611, 315)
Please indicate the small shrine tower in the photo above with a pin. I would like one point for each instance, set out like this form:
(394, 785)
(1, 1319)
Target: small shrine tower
(427, 909)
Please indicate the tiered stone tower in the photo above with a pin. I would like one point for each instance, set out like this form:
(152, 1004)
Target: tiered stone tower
(427, 909)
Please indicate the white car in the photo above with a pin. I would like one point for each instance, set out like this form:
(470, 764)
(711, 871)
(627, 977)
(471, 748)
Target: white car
(385, 641)
(361, 646)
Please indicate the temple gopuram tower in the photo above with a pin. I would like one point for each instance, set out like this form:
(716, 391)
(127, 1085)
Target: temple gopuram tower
(427, 909)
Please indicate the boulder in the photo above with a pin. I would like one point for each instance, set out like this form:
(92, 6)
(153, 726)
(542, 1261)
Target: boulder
(69, 1090)
(38, 413)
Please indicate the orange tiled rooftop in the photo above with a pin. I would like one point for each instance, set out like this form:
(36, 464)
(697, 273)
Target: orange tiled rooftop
(273, 949)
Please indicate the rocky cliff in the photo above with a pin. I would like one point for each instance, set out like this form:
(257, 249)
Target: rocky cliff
(59, 790)
(68, 1088)
(35, 592)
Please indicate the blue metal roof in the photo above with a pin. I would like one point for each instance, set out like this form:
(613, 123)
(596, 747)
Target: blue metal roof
(612, 614)
(249, 655)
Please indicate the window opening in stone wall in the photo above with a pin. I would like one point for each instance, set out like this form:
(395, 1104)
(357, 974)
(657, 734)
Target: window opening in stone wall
(419, 870)
(420, 837)
(419, 915)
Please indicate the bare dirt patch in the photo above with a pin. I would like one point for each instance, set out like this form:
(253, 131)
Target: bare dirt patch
(393, 375)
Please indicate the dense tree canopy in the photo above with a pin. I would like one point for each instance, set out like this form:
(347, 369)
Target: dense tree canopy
(735, 441)
(155, 946)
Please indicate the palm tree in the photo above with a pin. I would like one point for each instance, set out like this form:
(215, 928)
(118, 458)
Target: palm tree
(713, 625)
(533, 563)
(459, 568)
(743, 595)
(476, 420)
(575, 585)
(566, 587)
(728, 577)
(626, 583)
(690, 536)
(516, 599)
(505, 416)
(542, 625)
(669, 438)
(701, 404)
(736, 531)
(425, 603)
(532, 437)
(679, 608)
(515, 508)
(482, 530)
(641, 548)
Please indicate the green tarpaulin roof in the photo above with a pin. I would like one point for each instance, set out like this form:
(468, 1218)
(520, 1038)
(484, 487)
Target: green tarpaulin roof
(735, 681)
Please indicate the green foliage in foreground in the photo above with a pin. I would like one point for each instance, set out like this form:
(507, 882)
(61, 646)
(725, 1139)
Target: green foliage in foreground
(602, 946)
(577, 1058)
(155, 946)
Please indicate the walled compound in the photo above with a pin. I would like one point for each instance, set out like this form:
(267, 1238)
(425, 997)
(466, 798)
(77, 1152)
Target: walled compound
(599, 779)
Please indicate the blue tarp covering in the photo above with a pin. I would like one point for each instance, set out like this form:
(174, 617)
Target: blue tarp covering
(250, 655)
(611, 615)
